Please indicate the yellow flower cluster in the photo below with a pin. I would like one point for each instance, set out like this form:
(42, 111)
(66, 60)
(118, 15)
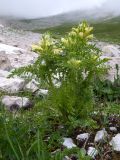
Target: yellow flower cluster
(77, 35)
(46, 44)
(74, 63)
(83, 31)
(57, 51)
(37, 48)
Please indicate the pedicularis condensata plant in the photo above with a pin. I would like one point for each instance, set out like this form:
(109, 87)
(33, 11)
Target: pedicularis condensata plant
(69, 67)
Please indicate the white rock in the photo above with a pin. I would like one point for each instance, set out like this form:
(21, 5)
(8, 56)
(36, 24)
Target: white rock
(111, 64)
(12, 102)
(113, 129)
(111, 51)
(11, 85)
(4, 73)
(68, 143)
(42, 92)
(8, 49)
(22, 60)
(32, 86)
(82, 137)
(112, 71)
(18, 57)
(92, 152)
(100, 136)
(115, 142)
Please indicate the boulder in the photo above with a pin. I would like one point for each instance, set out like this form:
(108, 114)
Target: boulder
(17, 57)
(11, 85)
(112, 52)
(15, 103)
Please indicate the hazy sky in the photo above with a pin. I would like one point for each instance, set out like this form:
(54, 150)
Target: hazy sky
(40, 8)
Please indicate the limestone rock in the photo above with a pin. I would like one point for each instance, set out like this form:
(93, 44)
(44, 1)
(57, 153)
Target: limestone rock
(112, 71)
(68, 143)
(83, 137)
(111, 51)
(32, 86)
(115, 142)
(17, 57)
(100, 136)
(42, 92)
(14, 102)
(113, 129)
(4, 73)
(11, 85)
(92, 152)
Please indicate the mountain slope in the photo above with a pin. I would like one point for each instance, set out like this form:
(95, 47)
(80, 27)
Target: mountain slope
(93, 15)
(107, 29)
(106, 24)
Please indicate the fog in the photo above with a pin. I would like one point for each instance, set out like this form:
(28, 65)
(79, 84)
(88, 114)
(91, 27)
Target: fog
(42, 8)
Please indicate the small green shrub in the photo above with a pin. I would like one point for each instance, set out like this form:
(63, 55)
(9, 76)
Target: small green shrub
(68, 67)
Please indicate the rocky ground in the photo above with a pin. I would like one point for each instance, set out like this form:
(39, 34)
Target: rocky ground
(15, 52)
(18, 38)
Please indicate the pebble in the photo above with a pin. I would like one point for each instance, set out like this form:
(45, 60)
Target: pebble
(68, 143)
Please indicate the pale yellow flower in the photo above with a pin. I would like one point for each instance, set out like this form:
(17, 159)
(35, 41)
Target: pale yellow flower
(90, 36)
(72, 33)
(74, 63)
(57, 51)
(81, 34)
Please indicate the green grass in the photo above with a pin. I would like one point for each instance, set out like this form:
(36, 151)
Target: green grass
(108, 30)
(34, 134)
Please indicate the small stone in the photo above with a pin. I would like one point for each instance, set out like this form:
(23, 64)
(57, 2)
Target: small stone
(92, 152)
(32, 86)
(100, 136)
(42, 92)
(83, 137)
(14, 102)
(113, 129)
(115, 142)
(68, 143)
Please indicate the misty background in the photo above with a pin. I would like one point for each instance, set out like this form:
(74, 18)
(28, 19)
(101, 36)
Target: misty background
(43, 8)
